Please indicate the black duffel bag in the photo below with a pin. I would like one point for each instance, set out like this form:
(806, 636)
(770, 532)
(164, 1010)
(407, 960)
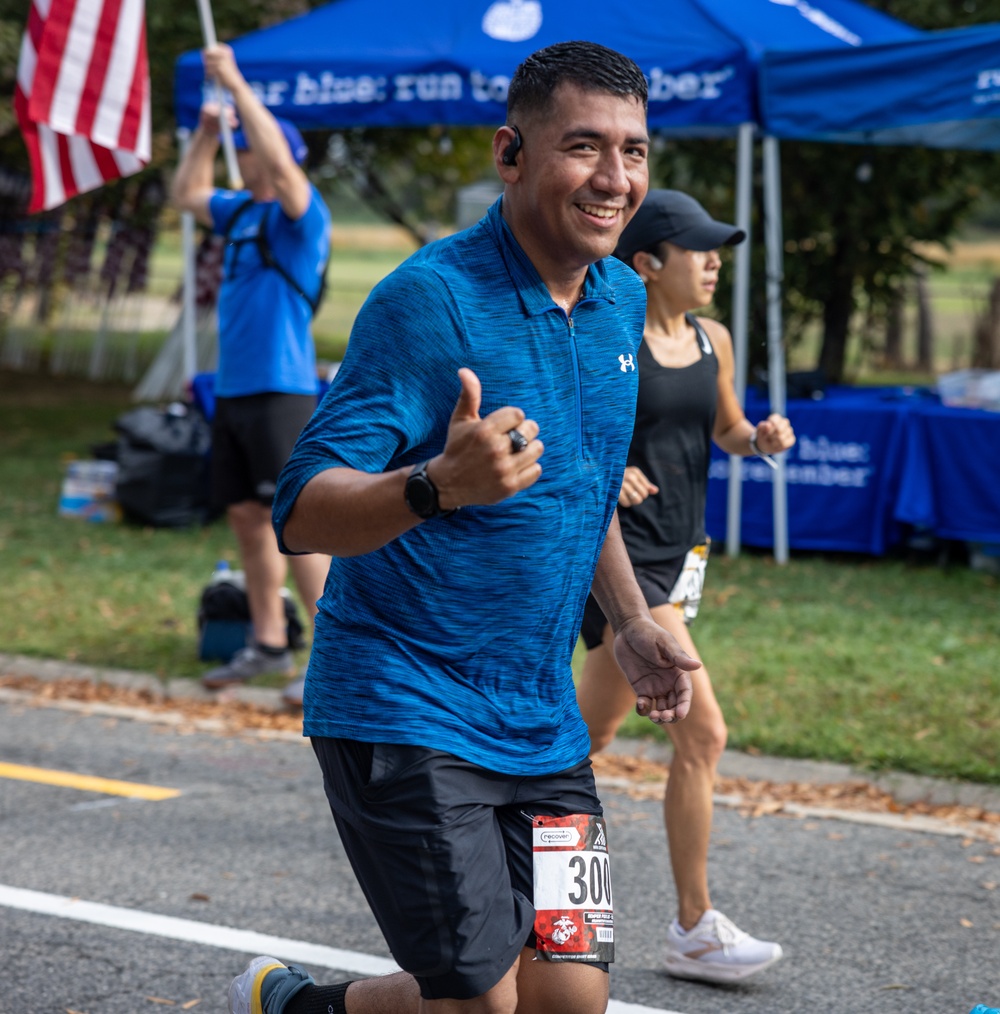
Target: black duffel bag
(163, 465)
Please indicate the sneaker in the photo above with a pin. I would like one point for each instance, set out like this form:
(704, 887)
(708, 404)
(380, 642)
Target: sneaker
(716, 950)
(292, 694)
(245, 664)
(248, 993)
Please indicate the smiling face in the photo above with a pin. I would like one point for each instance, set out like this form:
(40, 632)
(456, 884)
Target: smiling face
(579, 176)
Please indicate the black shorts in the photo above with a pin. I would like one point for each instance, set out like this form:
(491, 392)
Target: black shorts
(656, 580)
(442, 849)
(252, 438)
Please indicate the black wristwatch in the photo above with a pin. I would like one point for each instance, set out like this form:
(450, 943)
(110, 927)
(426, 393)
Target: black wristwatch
(421, 494)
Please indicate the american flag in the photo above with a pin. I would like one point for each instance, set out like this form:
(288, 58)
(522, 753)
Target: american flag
(82, 95)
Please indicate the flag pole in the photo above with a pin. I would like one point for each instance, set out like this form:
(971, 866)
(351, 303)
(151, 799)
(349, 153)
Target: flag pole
(189, 308)
(228, 148)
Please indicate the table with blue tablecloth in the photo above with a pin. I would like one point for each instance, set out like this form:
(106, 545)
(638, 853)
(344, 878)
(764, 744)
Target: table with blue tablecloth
(950, 481)
(869, 465)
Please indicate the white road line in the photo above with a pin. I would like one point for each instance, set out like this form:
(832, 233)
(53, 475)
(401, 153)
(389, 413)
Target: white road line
(247, 941)
(190, 931)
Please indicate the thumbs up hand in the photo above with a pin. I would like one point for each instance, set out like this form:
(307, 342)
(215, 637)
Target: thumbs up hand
(482, 463)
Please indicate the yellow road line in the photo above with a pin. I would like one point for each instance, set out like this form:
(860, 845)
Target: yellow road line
(86, 783)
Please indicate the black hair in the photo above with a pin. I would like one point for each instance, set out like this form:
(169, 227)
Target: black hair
(588, 65)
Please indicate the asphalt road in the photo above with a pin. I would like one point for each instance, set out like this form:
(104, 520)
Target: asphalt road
(872, 919)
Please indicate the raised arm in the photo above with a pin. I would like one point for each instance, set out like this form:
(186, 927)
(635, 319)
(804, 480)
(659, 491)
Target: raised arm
(264, 136)
(194, 179)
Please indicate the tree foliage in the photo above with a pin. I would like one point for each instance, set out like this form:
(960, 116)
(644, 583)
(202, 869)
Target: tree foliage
(853, 216)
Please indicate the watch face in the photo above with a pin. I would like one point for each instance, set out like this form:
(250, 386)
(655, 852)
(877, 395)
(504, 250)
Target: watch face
(421, 497)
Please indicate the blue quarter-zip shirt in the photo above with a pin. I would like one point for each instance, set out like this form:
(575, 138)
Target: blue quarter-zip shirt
(458, 634)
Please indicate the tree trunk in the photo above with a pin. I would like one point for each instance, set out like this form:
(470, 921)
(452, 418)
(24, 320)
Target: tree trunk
(925, 325)
(892, 355)
(986, 340)
(837, 312)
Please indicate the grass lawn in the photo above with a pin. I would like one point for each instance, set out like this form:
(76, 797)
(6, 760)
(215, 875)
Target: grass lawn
(883, 663)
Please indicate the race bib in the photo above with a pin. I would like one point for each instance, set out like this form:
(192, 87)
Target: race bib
(686, 593)
(574, 918)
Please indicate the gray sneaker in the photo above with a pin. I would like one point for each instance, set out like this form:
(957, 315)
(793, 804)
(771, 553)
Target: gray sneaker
(292, 694)
(245, 664)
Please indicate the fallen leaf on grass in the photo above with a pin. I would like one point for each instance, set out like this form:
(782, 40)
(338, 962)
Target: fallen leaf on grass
(723, 595)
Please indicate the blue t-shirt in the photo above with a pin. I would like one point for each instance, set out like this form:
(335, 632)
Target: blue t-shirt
(458, 634)
(265, 326)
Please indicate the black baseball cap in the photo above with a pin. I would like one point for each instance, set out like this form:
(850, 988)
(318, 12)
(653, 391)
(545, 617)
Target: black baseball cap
(678, 218)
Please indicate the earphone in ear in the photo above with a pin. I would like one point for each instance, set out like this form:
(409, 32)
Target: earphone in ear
(509, 156)
(655, 263)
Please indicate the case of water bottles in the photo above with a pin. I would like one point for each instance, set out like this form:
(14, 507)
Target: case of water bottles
(88, 491)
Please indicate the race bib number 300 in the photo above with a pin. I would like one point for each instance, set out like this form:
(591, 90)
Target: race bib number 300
(574, 918)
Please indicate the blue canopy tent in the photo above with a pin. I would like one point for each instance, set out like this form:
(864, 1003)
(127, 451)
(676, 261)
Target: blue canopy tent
(940, 90)
(362, 63)
(357, 62)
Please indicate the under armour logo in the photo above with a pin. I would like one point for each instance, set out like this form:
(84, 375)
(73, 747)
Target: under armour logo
(628, 363)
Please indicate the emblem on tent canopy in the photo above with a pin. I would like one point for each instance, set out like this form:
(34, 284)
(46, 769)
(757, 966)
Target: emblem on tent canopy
(822, 21)
(512, 20)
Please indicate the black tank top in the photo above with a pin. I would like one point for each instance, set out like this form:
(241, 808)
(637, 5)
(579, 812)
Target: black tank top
(671, 443)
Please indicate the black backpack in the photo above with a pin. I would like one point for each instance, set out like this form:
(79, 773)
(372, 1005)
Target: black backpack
(226, 603)
(162, 457)
(267, 255)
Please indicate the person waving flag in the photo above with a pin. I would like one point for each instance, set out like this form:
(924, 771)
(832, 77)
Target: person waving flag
(82, 95)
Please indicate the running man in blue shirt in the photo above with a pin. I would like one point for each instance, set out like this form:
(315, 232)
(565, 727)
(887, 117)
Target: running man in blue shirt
(439, 695)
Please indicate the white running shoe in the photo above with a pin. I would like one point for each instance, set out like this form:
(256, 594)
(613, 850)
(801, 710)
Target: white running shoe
(716, 950)
(244, 990)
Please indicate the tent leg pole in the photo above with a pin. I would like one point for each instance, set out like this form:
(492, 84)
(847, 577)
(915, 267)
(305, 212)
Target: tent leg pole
(740, 316)
(775, 341)
(189, 325)
(189, 358)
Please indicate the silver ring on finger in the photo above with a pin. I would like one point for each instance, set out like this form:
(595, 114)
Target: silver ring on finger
(518, 441)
